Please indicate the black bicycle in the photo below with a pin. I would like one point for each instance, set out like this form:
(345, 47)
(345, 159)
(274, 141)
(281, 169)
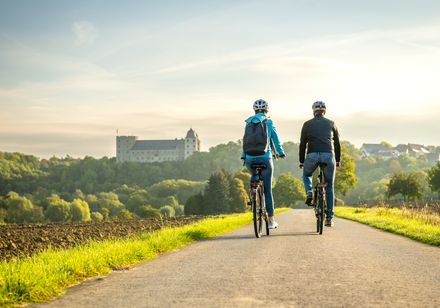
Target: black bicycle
(319, 199)
(257, 202)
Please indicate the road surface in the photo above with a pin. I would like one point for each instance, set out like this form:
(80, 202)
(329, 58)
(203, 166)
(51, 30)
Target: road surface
(350, 265)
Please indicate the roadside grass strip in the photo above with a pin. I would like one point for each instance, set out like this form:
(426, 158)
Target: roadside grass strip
(44, 275)
(415, 224)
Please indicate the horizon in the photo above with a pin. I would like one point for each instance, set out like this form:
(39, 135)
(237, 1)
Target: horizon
(204, 151)
(74, 73)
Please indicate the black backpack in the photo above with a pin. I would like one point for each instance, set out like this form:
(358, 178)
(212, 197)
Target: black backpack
(255, 138)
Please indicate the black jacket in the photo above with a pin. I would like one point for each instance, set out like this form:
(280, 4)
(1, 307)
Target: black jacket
(319, 135)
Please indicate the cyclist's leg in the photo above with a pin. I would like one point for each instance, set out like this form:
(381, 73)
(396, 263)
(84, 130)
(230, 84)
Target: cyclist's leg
(310, 165)
(267, 178)
(329, 174)
(248, 164)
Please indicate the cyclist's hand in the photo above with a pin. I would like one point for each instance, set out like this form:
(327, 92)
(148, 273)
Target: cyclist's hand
(301, 165)
(242, 158)
(338, 164)
(282, 156)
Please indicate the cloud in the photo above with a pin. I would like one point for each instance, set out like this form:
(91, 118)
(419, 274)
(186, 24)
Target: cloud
(85, 33)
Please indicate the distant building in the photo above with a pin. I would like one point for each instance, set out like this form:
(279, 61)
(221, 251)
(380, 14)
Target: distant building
(411, 149)
(129, 148)
(369, 149)
(417, 150)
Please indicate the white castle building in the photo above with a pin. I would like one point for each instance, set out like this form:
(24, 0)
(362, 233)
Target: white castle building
(129, 148)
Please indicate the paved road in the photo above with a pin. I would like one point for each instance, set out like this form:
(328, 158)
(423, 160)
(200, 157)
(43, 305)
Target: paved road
(351, 265)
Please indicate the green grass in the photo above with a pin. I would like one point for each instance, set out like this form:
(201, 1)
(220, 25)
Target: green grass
(42, 276)
(416, 224)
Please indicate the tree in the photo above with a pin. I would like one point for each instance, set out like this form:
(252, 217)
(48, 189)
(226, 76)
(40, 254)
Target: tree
(408, 184)
(167, 211)
(136, 199)
(434, 178)
(80, 210)
(109, 201)
(124, 214)
(20, 209)
(244, 176)
(180, 210)
(58, 209)
(239, 196)
(181, 189)
(96, 216)
(145, 211)
(2, 215)
(78, 194)
(217, 194)
(345, 175)
(194, 205)
(288, 190)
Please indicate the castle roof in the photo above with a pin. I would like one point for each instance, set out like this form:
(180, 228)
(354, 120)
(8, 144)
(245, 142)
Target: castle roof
(145, 145)
(191, 134)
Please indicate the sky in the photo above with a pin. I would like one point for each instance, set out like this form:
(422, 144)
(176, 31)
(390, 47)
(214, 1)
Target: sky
(72, 73)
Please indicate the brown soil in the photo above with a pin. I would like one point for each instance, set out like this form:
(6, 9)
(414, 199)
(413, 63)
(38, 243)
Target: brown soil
(23, 240)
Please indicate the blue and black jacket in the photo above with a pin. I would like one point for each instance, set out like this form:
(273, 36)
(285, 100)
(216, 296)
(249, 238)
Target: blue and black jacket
(271, 135)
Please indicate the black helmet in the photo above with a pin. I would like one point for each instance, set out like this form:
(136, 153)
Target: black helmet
(318, 106)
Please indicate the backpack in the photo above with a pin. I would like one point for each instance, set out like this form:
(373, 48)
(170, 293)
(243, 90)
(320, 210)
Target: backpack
(255, 138)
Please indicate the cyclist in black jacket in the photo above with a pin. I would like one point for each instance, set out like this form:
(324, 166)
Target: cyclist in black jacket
(321, 138)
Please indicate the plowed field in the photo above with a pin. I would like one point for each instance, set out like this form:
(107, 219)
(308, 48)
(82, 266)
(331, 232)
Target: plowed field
(23, 240)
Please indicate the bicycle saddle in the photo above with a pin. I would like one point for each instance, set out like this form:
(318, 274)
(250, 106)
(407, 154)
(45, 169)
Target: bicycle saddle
(258, 166)
(322, 165)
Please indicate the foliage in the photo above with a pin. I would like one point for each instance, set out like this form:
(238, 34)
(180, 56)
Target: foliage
(345, 175)
(124, 214)
(21, 210)
(434, 177)
(194, 205)
(96, 216)
(407, 184)
(181, 189)
(109, 201)
(238, 196)
(217, 196)
(167, 211)
(58, 209)
(137, 199)
(80, 210)
(145, 211)
(288, 190)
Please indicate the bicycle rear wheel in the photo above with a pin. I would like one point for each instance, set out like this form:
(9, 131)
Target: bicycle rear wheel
(257, 211)
(321, 207)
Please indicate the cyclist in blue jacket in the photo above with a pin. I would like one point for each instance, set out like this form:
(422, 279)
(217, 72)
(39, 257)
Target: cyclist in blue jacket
(261, 108)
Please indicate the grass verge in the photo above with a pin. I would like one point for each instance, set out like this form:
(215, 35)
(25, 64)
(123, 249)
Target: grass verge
(42, 276)
(412, 223)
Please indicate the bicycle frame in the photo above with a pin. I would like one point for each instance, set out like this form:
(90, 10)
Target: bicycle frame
(319, 200)
(258, 208)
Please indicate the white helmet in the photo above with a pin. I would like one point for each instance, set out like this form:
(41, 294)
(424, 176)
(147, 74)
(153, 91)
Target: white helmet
(261, 104)
(318, 106)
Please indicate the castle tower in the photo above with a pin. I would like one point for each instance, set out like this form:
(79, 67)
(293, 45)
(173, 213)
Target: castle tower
(123, 147)
(192, 143)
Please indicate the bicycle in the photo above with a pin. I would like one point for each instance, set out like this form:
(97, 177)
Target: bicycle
(257, 201)
(319, 199)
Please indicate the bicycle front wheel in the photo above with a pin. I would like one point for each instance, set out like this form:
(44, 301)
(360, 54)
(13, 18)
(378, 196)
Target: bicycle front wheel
(257, 211)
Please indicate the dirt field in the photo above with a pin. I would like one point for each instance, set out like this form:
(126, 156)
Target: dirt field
(23, 240)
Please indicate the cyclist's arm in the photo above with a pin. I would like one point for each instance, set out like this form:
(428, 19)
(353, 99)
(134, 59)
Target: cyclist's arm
(336, 143)
(276, 140)
(302, 144)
